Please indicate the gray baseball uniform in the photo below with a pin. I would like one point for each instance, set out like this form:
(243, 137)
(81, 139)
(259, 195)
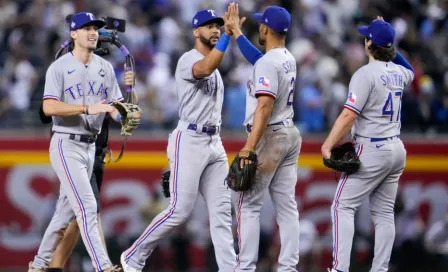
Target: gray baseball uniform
(72, 151)
(375, 94)
(198, 164)
(278, 152)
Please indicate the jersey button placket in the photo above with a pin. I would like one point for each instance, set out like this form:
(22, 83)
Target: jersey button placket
(85, 99)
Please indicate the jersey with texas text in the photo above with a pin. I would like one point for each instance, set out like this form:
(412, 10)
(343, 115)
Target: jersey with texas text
(200, 100)
(70, 81)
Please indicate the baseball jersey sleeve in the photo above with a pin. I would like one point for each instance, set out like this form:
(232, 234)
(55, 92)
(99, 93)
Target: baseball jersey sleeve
(358, 91)
(53, 83)
(115, 92)
(185, 66)
(408, 75)
(265, 79)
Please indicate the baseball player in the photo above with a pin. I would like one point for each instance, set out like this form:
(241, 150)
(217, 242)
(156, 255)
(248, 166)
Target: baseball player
(273, 136)
(70, 236)
(198, 161)
(78, 89)
(375, 93)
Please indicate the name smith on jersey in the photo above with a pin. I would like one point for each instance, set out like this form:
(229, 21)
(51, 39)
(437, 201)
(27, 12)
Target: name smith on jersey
(392, 80)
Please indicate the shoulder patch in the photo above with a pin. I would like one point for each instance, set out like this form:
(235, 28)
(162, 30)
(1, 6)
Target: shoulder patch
(263, 81)
(351, 98)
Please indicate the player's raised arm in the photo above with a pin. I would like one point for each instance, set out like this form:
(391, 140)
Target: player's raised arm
(234, 23)
(399, 59)
(210, 63)
(206, 28)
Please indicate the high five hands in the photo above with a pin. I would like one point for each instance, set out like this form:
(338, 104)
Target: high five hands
(232, 21)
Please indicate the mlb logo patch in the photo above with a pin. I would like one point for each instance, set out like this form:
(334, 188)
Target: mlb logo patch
(351, 98)
(263, 81)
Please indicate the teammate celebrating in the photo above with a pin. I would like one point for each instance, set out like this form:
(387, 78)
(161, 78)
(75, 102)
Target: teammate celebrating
(272, 135)
(76, 88)
(70, 236)
(375, 93)
(198, 161)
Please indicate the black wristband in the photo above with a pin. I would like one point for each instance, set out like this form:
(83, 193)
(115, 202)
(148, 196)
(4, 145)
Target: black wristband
(87, 109)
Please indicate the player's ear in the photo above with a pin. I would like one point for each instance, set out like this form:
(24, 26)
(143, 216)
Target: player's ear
(264, 29)
(73, 34)
(196, 32)
(369, 42)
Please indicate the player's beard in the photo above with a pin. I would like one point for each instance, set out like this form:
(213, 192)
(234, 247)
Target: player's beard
(207, 42)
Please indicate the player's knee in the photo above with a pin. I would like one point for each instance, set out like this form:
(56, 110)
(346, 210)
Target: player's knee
(92, 211)
(383, 217)
(249, 213)
(287, 205)
(384, 230)
(91, 206)
(183, 212)
(89, 210)
(343, 207)
(182, 217)
(224, 209)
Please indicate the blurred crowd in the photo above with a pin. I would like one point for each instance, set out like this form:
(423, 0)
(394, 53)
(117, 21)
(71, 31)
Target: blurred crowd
(323, 40)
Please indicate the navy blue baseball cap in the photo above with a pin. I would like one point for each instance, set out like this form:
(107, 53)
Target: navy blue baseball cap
(206, 16)
(83, 18)
(275, 17)
(379, 32)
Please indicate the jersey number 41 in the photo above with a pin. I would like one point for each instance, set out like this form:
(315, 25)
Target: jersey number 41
(391, 101)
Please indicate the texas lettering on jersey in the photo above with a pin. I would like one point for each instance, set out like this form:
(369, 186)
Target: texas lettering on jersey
(76, 91)
(200, 100)
(209, 85)
(72, 82)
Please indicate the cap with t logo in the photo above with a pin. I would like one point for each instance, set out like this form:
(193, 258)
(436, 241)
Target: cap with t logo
(205, 16)
(84, 18)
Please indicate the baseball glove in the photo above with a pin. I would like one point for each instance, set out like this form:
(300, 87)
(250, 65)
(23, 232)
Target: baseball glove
(343, 159)
(130, 116)
(165, 183)
(242, 179)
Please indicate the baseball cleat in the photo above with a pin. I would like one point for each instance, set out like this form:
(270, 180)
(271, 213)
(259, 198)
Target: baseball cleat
(32, 269)
(126, 267)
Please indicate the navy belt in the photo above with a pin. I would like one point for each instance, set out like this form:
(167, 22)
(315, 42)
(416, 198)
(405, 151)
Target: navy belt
(249, 127)
(381, 139)
(89, 139)
(208, 130)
